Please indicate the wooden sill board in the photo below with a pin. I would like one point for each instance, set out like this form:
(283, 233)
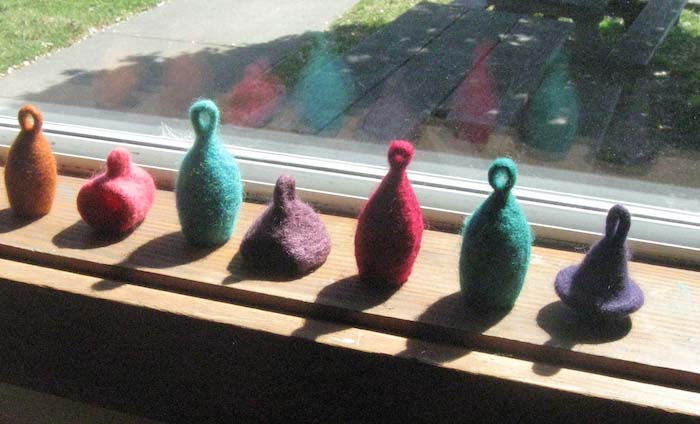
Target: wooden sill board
(660, 345)
(61, 289)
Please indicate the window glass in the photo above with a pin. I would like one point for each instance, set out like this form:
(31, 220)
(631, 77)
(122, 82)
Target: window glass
(591, 98)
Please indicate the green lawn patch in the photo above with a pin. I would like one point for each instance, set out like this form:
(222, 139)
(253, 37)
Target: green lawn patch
(32, 28)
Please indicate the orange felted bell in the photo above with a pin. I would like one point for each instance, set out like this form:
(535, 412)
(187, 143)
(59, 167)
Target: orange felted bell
(117, 200)
(30, 172)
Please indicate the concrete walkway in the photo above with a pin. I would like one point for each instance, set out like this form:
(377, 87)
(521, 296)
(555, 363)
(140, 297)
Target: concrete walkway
(158, 61)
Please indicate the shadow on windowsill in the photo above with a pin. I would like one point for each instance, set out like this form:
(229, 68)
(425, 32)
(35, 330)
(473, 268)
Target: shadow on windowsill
(10, 222)
(351, 292)
(567, 329)
(166, 251)
(452, 324)
(82, 236)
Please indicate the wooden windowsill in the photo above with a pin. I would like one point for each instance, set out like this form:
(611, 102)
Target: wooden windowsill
(653, 361)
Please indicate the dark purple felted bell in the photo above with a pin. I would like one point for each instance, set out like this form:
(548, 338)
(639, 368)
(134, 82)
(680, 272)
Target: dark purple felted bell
(600, 287)
(288, 239)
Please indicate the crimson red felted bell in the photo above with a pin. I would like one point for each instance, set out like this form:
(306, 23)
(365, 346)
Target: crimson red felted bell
(390, 227)
(117, 200)
(30, 172)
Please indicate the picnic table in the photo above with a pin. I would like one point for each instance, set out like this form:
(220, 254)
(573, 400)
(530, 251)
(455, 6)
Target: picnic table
(477, 71)
(647, 22)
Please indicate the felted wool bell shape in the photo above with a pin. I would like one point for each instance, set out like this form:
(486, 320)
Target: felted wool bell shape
(390, 227)
(209, 191)
(496, 245)
(551, 119)
(288, 239)
(117, 200)
(476, 99)
(600, 286)
(30, 172)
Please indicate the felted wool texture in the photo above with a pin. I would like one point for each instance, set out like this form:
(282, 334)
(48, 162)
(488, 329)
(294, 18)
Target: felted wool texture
(476, 99)
(288, 239)
(253, 101)
(496, 245)
(551, 120)
(209, 190)
(390, 226)
(600, 287)
(30, 171)
(118, 199)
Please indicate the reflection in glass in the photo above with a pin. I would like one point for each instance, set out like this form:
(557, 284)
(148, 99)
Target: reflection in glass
(324, 89)
(629, 139)
(394, 115)
(255, 99)
(476, 99)
(183, 81)
(552, 115)
(115, 89)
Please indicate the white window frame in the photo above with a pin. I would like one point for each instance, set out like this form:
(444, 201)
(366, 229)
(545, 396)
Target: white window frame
(341, 184)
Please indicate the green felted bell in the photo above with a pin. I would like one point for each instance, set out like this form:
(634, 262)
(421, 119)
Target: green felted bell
(496, 245)
(551, 119)
(209, 191)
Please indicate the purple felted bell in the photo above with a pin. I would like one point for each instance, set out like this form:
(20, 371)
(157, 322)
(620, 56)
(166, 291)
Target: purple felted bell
(288, 239)
(600, 287)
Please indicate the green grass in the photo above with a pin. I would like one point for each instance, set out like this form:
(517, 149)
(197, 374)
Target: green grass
(366, 17)
(32, 28)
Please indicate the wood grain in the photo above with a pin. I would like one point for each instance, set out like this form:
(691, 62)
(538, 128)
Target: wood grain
(59, 301)
(658, 345)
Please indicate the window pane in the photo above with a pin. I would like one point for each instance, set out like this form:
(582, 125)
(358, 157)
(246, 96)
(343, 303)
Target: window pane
(592, 98)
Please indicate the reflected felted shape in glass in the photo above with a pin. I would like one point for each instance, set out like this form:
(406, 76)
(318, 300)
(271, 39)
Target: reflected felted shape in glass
(118, 199)
(30, 171)
(476, 100)
(394, 114)
(496, 245)
(184, 80)
(288, 239)
(390, 226)
(208, 190)
(600, 286)
(255, 99)
(115, 89)
(324, 89)
(551, 118)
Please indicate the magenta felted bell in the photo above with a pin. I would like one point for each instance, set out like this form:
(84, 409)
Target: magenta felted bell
(117, 200)
(288, 239)
(600, 287)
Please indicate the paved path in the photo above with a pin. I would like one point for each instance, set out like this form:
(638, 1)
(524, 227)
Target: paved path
(157, 61)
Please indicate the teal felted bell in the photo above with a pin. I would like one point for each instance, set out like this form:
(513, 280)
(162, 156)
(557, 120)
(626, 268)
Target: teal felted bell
(209, 191)
(496, 245)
